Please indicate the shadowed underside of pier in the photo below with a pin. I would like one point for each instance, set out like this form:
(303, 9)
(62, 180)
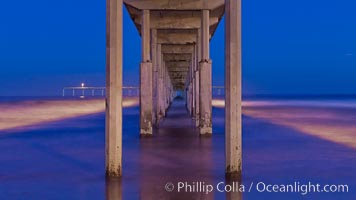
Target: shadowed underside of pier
(175, 40)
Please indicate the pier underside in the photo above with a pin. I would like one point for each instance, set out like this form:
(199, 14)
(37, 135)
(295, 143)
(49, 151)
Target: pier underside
(175, 60)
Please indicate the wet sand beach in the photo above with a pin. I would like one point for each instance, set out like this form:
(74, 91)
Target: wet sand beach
(64, 158)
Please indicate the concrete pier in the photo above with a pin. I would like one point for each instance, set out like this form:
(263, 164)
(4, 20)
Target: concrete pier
(146, 70)
(197, 78)
(154, 53)
(205, 98)
(113, 127)
(175, 60)
(160, 111)
(233, 93)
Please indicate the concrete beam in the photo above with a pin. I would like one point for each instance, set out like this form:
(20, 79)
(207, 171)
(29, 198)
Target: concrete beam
(176, 38)
(177, 57)
(175, 5)
(176, 22)
(178, 74)
(178, 69)
(177, 49)
(178, 64)
(179, 86)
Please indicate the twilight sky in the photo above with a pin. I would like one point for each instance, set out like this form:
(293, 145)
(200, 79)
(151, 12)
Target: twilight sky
(289, 47)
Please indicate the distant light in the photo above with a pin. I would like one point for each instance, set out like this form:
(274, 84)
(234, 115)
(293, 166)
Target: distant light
(82, 84)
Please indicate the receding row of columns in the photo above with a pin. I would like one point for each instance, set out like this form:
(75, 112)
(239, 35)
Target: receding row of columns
(157, 87)
(199, 90)
(199, 80)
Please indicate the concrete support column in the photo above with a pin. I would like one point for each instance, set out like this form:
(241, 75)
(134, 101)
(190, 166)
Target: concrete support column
(233, 92)
(166, 76)
(193, 83)
(205, 36)
(197, 79)
(155, 75)
(164, 85)
(146, 77)
(187, 91)
(187, 98)
(160, 85)
(205, 125)
(146, 37)
(169, 91)
(191, 99)
(113, 125)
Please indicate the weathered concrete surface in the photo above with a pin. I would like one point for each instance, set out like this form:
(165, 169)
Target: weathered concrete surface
(146, 35)
(205, 35)
(176, 5)
(177, 22)
(146, 99)
(178, 48)
(205, 84)
(205, 124)
(186, 37)
(146, 71)
(197, 79)
(233, 93)
(159, 86)
(154, 54)
(113, 129)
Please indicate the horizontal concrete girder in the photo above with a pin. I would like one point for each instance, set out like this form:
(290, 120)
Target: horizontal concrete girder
(177, 49)
(176, 38)
(177, 57)
(179, 86)
(178, 64)
(178, 75)
(179, 70)
(176, 4)
(175, 19)
(176, 22)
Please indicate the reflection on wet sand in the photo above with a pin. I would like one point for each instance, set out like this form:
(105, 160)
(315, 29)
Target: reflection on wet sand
(174, 155)
(235, 195)
(113, 189)
(66, 159)
(189, 158)
(330, 120)
(35, 112)
(332, 124)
